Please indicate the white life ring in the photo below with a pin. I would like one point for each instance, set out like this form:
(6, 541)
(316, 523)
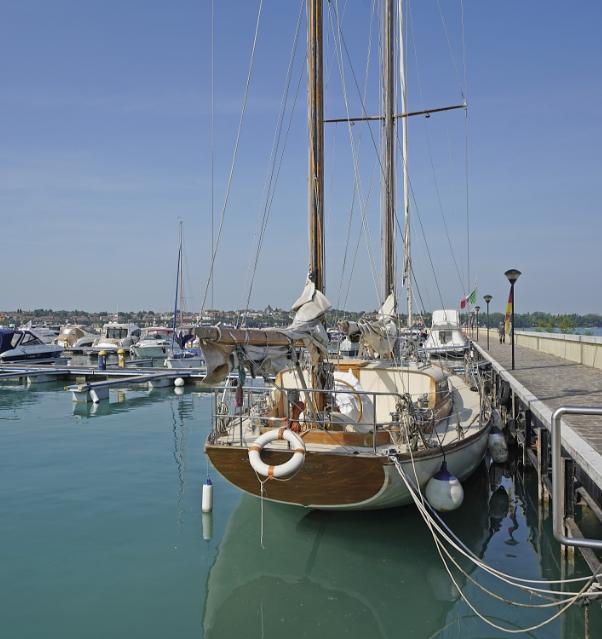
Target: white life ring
(281, 471)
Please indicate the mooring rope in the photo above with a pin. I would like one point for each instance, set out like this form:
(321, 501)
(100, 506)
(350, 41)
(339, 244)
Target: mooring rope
(573, 597)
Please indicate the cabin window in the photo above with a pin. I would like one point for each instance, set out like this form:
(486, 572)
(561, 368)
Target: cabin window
(443, 336)
(30, 340)
(15, 340)
(117, 333)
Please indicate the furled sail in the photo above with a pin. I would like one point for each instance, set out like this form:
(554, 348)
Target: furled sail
(265, 352)
(377, 337)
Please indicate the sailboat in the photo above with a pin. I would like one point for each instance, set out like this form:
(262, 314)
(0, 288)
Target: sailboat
(333, 434)
(176, 355)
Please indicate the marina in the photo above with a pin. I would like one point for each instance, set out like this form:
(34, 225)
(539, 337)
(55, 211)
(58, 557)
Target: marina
(124, 479)
(371, 455)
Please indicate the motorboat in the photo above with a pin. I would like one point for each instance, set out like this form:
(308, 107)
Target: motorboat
(75, 337)
(43, 331)
(23, 345)
(184, 358)
(446, 338)
(115, 336)
(154, 342)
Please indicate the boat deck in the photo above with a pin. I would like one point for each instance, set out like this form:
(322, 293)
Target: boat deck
(465, 409)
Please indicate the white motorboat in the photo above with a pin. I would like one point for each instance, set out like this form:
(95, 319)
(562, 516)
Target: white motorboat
(44, 332)
(446, 338)
(115, 336)
(154, 342)
(75, 336)
(23, 345)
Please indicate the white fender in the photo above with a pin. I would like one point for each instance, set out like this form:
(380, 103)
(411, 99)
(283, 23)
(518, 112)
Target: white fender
(281, 471)
(498, 448)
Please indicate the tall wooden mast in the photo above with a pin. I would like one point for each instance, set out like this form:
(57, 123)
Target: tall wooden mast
(315, 115)
(388, 151)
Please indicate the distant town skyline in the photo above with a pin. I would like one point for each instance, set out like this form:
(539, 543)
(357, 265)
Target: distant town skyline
(104, 117)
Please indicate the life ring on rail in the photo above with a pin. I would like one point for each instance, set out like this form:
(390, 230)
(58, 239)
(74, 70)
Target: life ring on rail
(281, 471)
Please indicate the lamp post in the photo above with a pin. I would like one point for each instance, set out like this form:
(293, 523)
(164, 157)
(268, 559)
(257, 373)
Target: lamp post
(487, 299)
(512, 275)
(477, 309)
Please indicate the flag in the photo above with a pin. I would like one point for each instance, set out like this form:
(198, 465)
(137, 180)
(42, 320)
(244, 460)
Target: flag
(472, 298)
(508, 317)
(463, 303)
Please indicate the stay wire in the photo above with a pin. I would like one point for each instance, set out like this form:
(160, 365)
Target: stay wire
(349, 225)
(272, 172)
(338, 36)
(234, 154)
(212, 138)
(429, 150)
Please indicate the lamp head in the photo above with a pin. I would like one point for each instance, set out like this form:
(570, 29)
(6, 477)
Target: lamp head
(512, 274)
(477, 309)
(487, 298)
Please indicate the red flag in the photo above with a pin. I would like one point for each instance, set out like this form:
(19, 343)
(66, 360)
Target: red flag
(463, 302)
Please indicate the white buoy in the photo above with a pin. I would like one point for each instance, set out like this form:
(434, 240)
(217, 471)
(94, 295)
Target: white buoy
(207, 501)
(444, 490)
(207, 520)
(498, 449)
(178, 381)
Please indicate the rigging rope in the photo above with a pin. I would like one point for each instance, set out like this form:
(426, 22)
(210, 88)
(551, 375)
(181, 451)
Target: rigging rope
(339, 40)
(272, 173)
(466, 148)
(411, 31)
(422, 505)
(211, 138)
(234, 154)
(349, 225)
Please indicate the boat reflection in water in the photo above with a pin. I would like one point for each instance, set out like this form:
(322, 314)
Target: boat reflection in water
(336, 574)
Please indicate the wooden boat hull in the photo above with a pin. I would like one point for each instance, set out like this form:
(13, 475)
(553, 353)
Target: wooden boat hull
(337, 481)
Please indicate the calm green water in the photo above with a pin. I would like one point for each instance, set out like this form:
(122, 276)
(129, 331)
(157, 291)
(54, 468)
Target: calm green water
(101, 535)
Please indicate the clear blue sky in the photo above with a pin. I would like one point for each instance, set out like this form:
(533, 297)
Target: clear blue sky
(104, 129)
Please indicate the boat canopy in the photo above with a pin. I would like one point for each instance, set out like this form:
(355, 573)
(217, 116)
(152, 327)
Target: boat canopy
(449, 318)
(11, 338)
(151, 331)
(7, 337)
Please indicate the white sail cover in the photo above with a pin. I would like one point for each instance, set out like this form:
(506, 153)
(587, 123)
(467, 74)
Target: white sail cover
(377, 337)
(269, 359)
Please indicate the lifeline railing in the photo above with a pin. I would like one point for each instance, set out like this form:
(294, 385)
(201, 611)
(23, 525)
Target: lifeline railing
(250, 392)
(557, 496)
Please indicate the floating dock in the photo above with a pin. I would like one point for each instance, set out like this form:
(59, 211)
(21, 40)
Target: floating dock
(529, 397)
(92, 384)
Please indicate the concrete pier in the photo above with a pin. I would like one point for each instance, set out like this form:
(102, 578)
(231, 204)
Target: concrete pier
(547, 382)
(528, 396)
